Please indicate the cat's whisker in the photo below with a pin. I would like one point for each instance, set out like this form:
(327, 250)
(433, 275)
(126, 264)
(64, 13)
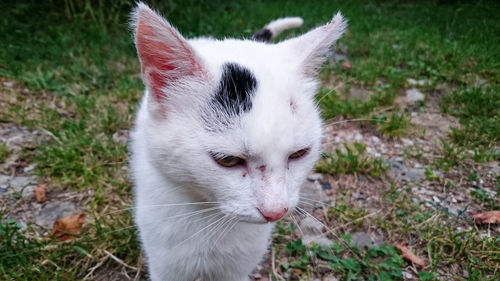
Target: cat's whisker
(181, 216)
(217, 228)
(307, 203)
(232, 222)
(303, 235)
(329, 231)
(201, 230)
(313, 202)
(353, 120)
(326, 95)
(201, 218)
(160, 205)
(185, 216)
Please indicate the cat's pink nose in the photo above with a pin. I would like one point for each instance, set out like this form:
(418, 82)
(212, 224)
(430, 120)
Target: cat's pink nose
(273, 215)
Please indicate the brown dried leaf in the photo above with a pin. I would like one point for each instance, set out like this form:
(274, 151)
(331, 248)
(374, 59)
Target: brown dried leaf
(347, 65)
(409, 256)
(40, 193)
(68, 227)
(491, 217)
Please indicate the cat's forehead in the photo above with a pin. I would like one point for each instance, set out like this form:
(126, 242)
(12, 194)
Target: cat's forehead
(259, 57)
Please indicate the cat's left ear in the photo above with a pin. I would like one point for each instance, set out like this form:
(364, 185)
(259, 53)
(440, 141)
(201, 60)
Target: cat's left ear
(312, 46)
(165, 55)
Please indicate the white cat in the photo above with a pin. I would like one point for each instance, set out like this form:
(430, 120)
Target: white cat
(226, 134)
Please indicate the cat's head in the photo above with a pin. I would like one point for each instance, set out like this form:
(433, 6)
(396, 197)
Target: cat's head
(232, 121)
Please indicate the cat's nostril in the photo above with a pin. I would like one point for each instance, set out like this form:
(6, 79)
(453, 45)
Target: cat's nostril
(273, 215)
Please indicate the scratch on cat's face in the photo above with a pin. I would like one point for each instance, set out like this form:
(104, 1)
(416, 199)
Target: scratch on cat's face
(262, 169)
(293, 105)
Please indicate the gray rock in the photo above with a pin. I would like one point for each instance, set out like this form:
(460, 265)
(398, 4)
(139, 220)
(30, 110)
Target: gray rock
(311, 226)
(29, 168)
(401, 172)
(8, 84)
(330, 278)
(361, 239)
(416, 174)
(4, 181)
(453, 211)
(377, 238)
(414, 82)
(407, 275)
(413, 95)
(54, 211)
(357, 93)
(24, 184)
(311, 196)
(28, 190)
(321, 240)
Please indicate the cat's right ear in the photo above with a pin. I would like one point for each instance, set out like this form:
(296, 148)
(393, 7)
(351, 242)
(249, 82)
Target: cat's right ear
(164, 54)
(310, 48)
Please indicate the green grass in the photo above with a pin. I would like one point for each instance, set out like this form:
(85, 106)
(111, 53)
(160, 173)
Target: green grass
(4, 152)
(353, 159)
(77, 61)
(477, 108)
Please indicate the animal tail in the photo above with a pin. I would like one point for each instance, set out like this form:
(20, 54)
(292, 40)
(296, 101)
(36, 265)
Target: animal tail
(274, 28)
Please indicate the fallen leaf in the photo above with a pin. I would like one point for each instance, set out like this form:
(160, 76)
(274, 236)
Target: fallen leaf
(409, 256)
(491, 217)
(40, 193)
(68, 227)
(347, 65)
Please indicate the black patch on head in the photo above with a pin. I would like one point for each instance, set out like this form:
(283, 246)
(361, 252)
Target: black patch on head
(263, 35)
(235, 92)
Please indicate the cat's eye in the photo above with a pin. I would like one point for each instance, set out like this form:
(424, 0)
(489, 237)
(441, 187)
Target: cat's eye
(227, 160)
(298, 154)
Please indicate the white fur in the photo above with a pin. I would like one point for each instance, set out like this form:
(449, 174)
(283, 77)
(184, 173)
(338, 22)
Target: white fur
(173, 171)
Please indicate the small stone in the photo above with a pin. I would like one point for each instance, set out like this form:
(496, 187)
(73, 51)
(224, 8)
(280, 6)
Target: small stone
(361, 239)
(330, 278)
(414, 200)
(358, 136)
(416, 174)
(407, 275)
(20, 183)
(407, 142)
(436, 199)
(414, 114)
(413, 95)
(320, 240)
(28, 190)
(414, 82)
(54, 211)
(357, 93)
(8, 84)
(311, 226)
(453, 211)
(29, 168)
(325, 185)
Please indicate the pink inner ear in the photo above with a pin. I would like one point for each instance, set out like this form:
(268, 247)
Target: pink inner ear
(155, 57)
(164, 57)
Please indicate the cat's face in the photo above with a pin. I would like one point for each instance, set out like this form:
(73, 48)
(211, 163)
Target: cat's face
(233, 121)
